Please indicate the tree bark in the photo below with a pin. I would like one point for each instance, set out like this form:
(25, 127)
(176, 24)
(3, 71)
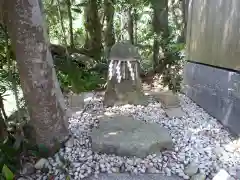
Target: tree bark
(135, 26)
(109, 32)
(130, 25)
(40, 86)
(93, 29)
(70, 23)
(160, 28)
(3, 128)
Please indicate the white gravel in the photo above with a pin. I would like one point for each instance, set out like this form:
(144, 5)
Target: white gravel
(200, 141)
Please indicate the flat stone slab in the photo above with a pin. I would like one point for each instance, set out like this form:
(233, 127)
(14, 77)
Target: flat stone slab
(76, 102)
(123, 176)
(175, 112)
(124, 136)
(167, 98)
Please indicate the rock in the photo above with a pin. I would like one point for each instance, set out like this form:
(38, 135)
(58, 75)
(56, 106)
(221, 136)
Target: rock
(199, 176)
(222, 175)
(76, 102)
(218, 151)
(175, 112)
(124, 136)
(191, 169)
(152, 170)
(28, 169)
(69, 143)
(40, 163)
(167, 98)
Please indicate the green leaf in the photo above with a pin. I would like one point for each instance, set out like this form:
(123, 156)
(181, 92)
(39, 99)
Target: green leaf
(7, 173)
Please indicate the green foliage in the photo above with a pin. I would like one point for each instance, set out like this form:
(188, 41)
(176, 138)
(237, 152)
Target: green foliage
(74, 76)
(7, 173)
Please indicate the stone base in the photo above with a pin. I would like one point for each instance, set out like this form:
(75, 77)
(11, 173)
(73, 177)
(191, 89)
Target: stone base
(124, 136)
(215, 90)
(125, 92)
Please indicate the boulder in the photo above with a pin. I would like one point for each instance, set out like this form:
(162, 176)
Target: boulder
(124, 136)
(124, 84)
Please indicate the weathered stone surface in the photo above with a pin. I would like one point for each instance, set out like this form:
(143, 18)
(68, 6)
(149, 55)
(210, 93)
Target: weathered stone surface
(124, 84)
(132, 97)
(124, 136)
(175, 112)
(41, 163)
(216, 91)
(191, 169)
(167, 98)
(199, 176)
(76, 102)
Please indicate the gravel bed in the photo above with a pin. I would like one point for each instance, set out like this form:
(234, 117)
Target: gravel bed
(201, 145)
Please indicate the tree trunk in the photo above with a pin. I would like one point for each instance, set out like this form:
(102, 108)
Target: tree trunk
(70, 23)
(109, 32)
(135, 25)
(130, 25)
(155, 53)
(160, 28)
(40, 86)
(94, 30)
(3, 128)
(44, 15)
(185, 4)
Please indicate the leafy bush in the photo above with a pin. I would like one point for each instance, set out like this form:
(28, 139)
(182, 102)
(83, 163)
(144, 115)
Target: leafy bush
(75, 76)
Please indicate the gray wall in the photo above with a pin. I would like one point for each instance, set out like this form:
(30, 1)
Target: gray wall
(213, 38)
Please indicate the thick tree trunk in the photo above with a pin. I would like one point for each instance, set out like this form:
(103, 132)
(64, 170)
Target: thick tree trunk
(41, 90)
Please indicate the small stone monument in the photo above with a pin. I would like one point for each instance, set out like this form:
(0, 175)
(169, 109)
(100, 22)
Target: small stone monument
(124, 84)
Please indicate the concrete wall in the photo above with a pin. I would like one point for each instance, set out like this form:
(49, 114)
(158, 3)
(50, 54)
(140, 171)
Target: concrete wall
(211, 75)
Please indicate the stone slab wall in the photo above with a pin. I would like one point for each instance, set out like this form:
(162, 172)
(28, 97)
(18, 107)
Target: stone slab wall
(216, 90)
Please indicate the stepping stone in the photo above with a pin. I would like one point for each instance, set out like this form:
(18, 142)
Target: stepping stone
(175, 112)
(125, 176)
(124, 136)
(167, 98)
(76, 102)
